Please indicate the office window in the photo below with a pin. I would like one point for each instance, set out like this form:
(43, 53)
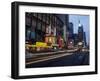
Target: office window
(28, 21)
(53, 20)
(44, 18)
(40, 16)
(47, 29)
(39, 25)
(56, 22)
(43, 27)
(34, 14)
(47, 19)
(34, 23)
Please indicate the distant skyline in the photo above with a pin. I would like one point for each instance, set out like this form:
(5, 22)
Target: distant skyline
(84, 20)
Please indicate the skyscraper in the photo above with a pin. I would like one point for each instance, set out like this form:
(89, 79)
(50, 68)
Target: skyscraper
(75, 36)
(70, 35)
(70, 30)
(80, 32)
(85, 43)
(65, 20)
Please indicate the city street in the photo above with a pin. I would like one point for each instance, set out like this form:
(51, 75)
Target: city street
(60, 59)
(56, 40)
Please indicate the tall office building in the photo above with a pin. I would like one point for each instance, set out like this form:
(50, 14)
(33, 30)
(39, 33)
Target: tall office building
(82, 35)
(39, 25)
(85, 43)
(75, 36)
(64, 29)
(70, 42)
(70, 30)
(80, 32)
(67, 25)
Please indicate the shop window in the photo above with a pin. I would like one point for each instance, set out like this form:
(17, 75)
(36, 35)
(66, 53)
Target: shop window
(39, 37)
(32, 34)
(28, 33)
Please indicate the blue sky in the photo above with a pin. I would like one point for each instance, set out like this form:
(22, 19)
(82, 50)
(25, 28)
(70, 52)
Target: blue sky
(84, 20)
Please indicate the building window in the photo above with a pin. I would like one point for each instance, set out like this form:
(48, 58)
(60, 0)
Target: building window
(33, 23)
(34, 15)
(28, 33)
(44, 18)
(47, 18)
(53, 20)
(39, 25)
(28, 21)
(40, 16)
(43, 27)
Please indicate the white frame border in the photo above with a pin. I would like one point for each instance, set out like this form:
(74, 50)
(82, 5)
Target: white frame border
(54, 70)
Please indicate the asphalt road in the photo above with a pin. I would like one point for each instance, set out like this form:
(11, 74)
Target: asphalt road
(76, 59)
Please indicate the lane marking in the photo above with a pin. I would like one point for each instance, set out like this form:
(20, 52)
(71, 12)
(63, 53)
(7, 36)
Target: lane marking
(49, 58)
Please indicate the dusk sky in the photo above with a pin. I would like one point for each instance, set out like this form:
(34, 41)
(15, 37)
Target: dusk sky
(84, 20)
